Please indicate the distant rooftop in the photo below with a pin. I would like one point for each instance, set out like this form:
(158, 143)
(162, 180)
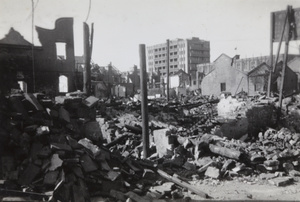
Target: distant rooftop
(14, 38)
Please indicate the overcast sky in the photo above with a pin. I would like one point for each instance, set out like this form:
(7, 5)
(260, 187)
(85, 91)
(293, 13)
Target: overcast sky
(121, 25)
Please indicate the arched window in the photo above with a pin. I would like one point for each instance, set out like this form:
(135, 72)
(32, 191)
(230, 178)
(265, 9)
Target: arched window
(23, 86)
(63, 84)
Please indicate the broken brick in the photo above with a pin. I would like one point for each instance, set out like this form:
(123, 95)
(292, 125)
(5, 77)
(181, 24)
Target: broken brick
(294, 173)
(272, 168)
(32, 99)
(60, 147)
(212, 172)
(92, 131)
(94, 149)
(55, 162)
(117, 195)
(64, 115)
(229, 164)
(166, 187)
(112, 175)
(42, 130)
(189, 166)
(288, 167)
(88, 164)
(51, 177)
(271, 163)
(30, 173)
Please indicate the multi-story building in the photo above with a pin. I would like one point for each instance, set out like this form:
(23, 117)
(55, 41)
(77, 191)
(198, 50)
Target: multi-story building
(184, 54)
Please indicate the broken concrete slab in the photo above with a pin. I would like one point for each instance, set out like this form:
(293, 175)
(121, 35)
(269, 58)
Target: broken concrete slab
(113, 175)
(189, 166)
(281, 181)
(91, 101)
(51, 178)
(212, 172)
(55, 162)
(94, 149)
(163, 189)
(92, 131)
(88, 164)
(161, 139)
(267, 176)
(294, 173)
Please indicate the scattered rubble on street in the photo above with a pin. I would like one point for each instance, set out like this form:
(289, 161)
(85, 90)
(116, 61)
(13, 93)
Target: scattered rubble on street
(78, 148)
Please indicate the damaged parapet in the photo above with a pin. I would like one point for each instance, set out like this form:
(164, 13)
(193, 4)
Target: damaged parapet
(49, 65)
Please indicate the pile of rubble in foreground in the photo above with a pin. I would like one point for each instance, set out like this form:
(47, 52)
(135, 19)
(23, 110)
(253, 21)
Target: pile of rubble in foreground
(79, 148)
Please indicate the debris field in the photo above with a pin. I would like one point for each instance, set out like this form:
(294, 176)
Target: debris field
(76, 148)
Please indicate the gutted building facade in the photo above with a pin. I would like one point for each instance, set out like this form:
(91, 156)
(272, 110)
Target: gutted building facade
(50, 67)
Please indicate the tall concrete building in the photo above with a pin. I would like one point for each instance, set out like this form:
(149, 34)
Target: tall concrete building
(184, 54)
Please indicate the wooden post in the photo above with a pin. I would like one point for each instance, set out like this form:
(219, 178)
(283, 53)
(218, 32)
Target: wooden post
(32, 47)
(87, 59)
(281, 38)
(168, 68)
(271, 55)
(144, 105)
(286, 51)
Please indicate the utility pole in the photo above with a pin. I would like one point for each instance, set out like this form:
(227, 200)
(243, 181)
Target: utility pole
(32, 47)
(144, 105)
(271, 55)
(288, 13)
(88, 44)
(168, 69)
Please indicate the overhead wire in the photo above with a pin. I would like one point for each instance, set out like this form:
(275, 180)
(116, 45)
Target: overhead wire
(88, 14)
(31, 10)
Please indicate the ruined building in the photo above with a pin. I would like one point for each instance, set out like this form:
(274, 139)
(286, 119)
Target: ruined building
(236, 75)
(42, 68)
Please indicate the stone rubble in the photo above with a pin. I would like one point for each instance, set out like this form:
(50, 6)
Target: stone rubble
(78, 148)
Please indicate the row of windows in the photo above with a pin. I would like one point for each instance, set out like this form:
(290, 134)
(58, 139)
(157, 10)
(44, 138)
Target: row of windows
(199, 52)
(159, 49)
(163, 61)
(163, 55)
(164, 67)
(199, 60)
(164, 48)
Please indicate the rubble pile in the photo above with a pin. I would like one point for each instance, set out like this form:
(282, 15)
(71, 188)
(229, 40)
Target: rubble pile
(81, 147)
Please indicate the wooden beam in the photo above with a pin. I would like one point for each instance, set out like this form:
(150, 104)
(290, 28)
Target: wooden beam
(182, 183)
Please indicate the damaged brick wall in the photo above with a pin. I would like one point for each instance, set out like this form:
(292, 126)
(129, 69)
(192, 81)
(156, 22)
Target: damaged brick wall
(16, 56)
(47, 60)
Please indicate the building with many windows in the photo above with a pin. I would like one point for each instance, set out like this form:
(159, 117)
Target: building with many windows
(184, 54)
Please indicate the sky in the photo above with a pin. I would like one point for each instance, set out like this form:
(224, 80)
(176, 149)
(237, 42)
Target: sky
(232, 26)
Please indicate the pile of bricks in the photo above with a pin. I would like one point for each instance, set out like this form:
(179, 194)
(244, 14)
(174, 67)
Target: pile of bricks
(78, 148)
